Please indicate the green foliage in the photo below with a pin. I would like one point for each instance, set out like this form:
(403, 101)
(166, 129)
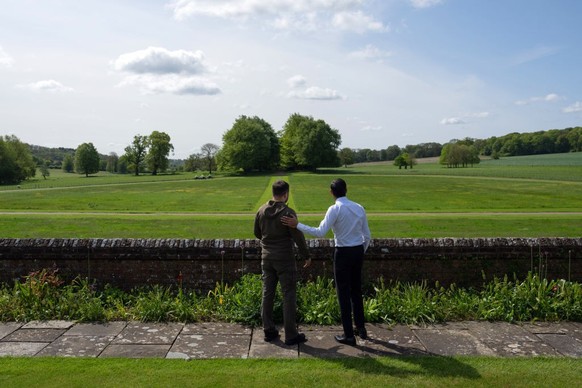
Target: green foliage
(251, 144)
(87, 159)
(307, 143)
(68, 163)
(135, 153)
(317, 302)
(159, 150)
(459, 155)
(44, 296)
(16, 162)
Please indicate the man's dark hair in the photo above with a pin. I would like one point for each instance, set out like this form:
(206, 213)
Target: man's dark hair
(280, 188)
(339, 188)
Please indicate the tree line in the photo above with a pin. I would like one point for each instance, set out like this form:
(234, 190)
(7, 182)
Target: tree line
(251, 144)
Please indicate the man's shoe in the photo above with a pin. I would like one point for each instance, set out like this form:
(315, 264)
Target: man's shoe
(342, 339)
(362, 333)
(271, 335)
(297, 340)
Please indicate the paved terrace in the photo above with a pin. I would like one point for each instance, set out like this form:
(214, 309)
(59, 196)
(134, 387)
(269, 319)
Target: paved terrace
(224, 340)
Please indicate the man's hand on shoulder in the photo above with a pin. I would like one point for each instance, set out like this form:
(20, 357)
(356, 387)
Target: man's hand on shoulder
(290, 221)
(307, 263)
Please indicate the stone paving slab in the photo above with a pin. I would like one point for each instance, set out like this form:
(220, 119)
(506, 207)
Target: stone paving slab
(191, 346)
(507, 339)
(397, 340)
(564, 344)
(225, 340)
(21, 349)
(76, 346)
(274, 349)
(34, 335)
(149, 333)
(49, 325)
(8, 328)
(216, 328)
(110, 329)
(447, 340)
(135, 351)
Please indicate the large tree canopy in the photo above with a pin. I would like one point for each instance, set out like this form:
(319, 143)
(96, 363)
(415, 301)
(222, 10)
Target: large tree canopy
(16, 162)
(251, 144)
(159, 149)
(87, 159)
(136, 152)
(307, 143)
(209, 152)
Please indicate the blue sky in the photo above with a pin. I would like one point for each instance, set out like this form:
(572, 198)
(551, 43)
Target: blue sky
(380, 72)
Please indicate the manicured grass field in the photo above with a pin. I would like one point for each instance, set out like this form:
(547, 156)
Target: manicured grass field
(511, 197)
(307, 372)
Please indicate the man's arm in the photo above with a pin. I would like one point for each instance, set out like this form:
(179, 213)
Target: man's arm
(299, 239)
(258, 233)
(320, 231)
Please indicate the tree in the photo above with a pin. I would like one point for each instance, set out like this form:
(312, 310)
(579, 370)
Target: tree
(251, 144)
(401, 161)
(136, 152)
(459, 155)
(86, 159)
(44, 170)
(159, 150)
(112, 160)
(307, 143)
(68, 163)
(346, 156)
(194, 162)
(16, 162)
(209, 151)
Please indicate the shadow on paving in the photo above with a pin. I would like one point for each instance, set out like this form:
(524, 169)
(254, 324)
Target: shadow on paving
(415, 362)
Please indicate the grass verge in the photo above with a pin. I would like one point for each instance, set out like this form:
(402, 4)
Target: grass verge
(355, 372)
(413, 225)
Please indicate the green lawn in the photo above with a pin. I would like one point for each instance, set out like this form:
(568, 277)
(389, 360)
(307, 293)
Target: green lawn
(309, 372)
(538, 196)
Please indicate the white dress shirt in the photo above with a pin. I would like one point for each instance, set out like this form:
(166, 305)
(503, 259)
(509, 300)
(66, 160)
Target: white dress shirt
(347, 219)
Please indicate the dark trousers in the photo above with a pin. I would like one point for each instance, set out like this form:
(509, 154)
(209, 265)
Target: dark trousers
(347, 269)
(285, 272)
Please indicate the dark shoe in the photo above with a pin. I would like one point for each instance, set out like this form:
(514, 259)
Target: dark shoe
(271, 335)
(362, 333)
(342, 339)
(297, 340)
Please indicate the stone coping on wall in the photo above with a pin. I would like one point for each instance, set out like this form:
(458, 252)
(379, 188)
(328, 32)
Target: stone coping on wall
(103, 243)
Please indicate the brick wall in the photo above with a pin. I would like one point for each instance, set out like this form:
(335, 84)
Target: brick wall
(127, 263)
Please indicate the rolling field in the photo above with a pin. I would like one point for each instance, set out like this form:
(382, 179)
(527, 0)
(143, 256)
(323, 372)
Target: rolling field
(534, 196)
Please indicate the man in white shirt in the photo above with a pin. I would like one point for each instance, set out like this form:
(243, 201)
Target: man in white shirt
(348, 221)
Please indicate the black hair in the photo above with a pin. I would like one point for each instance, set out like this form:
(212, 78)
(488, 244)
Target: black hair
(339, 188)
(280, 188)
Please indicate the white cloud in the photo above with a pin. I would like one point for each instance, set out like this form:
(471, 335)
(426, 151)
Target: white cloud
(452, 121)
(317, 93)
(425, 3)
(5, 59)
(356, 21)
(547, 98)
(171, 83)
(370, 52)
(284, 14)
(157, 70)
(463, 119)
(296, 81)
(575, 107)
(371, 128)
(533, 54)
(158, 60)
(49, 85)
